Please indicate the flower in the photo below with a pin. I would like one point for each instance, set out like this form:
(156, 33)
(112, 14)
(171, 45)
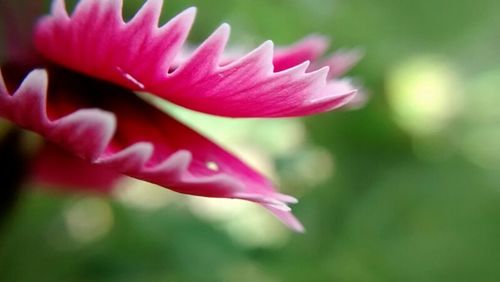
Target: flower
(77, 91)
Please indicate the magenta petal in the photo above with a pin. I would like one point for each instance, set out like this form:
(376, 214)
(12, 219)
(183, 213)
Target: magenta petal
(342, 61)
(95, 40)
(57, 168)
(308, 49)
(86, 132)
(287, 218)
(139, 55)
(132, 137)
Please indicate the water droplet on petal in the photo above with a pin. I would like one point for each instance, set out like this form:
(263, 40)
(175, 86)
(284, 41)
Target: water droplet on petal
(213, 166)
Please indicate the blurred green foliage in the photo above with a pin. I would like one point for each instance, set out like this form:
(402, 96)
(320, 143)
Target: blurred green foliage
(400, 207)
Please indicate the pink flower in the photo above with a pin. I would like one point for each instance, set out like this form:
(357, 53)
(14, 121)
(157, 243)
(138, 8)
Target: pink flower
(77, 91)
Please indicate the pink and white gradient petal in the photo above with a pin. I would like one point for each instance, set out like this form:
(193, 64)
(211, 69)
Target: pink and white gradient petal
(342, 61)
(139, 55)
(310, 48)
(132, 137)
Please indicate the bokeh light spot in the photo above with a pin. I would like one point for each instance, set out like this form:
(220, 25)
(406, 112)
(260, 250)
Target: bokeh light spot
(424, 94)
(88, 219)
(246, 223)
(142, 195)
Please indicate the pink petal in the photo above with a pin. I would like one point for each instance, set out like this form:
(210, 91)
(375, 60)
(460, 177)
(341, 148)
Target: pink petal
(308, 49)
(139, 55)
(342, 61)
(57, 168)
(85, 131)
(132, 137)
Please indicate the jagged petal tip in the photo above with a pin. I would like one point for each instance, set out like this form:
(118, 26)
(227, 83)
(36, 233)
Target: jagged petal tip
(111, 127)
(141, 55)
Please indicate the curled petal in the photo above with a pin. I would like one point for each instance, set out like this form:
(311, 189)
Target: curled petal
(86, 132)
(140, 55)
(132, 137)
